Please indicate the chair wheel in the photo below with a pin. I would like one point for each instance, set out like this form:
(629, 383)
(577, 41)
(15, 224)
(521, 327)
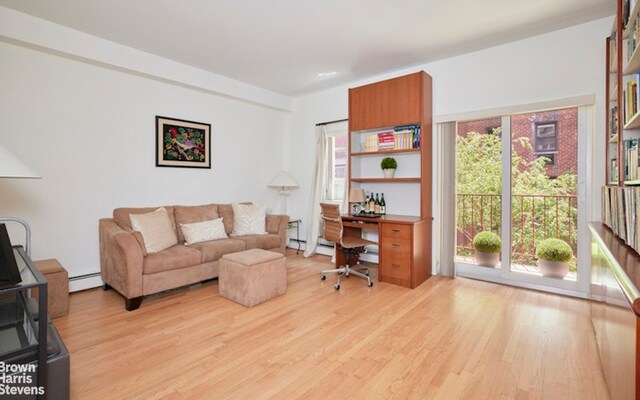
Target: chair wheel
(322, 277)
(336, 286)
(370, 284)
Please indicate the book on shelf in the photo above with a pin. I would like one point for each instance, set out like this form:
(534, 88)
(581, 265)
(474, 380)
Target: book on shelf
(613, 122)
(631, 96)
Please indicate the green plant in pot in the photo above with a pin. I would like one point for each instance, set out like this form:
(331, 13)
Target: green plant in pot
(553, 257)
(389, 166)
(487, 247)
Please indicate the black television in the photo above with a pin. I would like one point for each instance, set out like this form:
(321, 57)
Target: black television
(9, 273)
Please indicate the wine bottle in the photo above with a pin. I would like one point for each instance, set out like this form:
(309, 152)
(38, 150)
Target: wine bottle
(372, 204)
(383, 205)
(376, 205)
(366, 204)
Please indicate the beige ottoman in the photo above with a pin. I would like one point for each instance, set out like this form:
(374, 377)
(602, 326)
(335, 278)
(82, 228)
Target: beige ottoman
(57, 287)
(252, 277)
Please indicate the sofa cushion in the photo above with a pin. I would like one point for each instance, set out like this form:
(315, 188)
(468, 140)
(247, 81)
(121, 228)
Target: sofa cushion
(213, 250)
(191, 214)
(226, 211)
(121, 215)
(268, 241)
(176, 257)
(156, 230)
(249, 219)
(203, 231)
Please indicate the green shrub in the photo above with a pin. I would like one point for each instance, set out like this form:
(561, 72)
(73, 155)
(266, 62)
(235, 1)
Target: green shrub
(389, 163)
(554, 250)
(487, 242)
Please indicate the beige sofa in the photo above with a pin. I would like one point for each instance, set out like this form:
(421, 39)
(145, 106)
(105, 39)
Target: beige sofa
(126, 267)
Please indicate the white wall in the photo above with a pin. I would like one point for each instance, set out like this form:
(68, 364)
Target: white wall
(555, 65)
(90, 132)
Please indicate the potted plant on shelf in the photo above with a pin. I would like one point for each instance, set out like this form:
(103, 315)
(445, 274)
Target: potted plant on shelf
(487, 247)
(553, 257)
(389, 166)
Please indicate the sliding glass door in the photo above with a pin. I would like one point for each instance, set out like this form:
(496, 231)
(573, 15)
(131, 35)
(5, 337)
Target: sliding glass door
(518, 201)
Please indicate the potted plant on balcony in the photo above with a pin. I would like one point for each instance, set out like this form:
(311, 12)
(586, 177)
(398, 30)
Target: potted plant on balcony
(553, 257)
(389, 166)
(487, 245)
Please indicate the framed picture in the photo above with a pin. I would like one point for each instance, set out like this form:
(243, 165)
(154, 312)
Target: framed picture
(181, 143)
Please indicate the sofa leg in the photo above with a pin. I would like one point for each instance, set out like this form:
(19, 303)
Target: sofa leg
(106, 287)
(133, 304)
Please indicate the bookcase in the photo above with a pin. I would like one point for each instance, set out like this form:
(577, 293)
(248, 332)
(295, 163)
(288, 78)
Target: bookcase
(393, 118)
(623, 96)
(401, 106)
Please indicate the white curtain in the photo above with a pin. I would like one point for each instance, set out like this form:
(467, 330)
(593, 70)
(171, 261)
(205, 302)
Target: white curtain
(445, 224)
(318, 191)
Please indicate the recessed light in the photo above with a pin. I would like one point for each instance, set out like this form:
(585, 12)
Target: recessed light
(326, 74)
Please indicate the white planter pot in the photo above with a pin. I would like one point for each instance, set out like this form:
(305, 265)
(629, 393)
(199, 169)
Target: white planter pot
(553, 269)
(389, 173)
(487, 259)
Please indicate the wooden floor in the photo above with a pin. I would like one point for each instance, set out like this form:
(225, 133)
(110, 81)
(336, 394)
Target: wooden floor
(447, 339)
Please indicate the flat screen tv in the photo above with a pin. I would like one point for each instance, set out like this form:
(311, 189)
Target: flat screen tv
(9, 273)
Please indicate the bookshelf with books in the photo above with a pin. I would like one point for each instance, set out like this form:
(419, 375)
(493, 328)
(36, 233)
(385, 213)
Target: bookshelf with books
(393, 118)
(623, 96)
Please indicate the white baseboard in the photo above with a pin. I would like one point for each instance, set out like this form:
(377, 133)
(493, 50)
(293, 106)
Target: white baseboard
(327, 250)
(85, 282)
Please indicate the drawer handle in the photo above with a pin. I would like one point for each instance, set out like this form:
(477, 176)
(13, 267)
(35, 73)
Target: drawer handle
(395, 246)
(396, 266)
(395, 230)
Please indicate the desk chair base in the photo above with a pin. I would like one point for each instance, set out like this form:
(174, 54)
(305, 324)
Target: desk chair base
(346, 271)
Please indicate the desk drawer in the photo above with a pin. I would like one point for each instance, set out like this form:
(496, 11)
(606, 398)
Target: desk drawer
(397, 231)
(398, 269)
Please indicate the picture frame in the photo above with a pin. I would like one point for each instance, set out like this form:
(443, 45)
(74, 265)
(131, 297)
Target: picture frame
(183, 144)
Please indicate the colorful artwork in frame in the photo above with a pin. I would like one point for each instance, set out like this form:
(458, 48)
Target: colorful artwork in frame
(181, 143)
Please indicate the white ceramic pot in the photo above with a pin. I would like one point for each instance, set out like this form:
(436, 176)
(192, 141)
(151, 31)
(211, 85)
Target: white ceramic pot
(389, 173)
(554, 269)
(487, 259)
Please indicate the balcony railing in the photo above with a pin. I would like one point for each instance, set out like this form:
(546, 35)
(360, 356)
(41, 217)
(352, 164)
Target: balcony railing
(533, 219)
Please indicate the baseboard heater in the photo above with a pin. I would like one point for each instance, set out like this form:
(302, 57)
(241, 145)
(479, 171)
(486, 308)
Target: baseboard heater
(84, 282)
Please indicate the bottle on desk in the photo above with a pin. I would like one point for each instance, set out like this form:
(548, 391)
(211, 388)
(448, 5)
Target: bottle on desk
(372, 204)
(376, 205)
(366, 204)
(383, 205)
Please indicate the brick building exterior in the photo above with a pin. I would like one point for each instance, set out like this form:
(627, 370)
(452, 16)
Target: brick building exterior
(553, 134)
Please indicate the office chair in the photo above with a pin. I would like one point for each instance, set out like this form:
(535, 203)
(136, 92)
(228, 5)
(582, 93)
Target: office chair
(333, 232)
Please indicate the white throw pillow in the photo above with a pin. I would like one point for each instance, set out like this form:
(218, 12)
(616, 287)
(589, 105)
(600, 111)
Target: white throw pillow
(249, 219)
(156, 230)
(203, 231)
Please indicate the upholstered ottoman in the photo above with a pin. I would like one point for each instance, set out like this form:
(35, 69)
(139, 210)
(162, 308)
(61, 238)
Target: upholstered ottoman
(252, 277)
(57, 287)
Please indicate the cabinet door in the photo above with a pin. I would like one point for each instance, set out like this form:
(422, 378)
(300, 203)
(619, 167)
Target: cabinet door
(388, 103)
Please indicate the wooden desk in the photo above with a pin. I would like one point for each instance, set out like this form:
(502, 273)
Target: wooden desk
(404, 255)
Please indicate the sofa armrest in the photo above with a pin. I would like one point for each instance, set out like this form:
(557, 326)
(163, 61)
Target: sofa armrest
(121, 259)
(277, 224)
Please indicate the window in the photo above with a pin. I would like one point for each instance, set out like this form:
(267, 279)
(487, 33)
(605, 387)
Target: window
(336, 161)
(545, 138)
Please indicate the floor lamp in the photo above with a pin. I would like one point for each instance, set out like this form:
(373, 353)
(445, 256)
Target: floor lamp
(11, 167)
(283, 181)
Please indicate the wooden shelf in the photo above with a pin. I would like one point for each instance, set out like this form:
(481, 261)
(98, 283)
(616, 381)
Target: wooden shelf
(634, 122)
(386, 180)
(614, 139)
(383, 152)
(632, 183)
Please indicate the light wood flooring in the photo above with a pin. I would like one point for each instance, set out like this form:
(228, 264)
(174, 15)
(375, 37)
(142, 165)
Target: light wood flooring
(447, 339)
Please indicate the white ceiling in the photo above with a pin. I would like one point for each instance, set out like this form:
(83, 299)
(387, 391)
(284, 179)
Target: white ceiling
(282, 45)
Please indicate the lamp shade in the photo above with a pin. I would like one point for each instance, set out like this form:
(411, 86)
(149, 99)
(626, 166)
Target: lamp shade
(11, 167)
(356, 196)
(283, 180)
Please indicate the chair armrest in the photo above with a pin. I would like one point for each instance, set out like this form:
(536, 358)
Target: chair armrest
(121, 259)
(277, 224)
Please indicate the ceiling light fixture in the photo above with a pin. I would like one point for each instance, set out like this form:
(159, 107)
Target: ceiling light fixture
(326, 74)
